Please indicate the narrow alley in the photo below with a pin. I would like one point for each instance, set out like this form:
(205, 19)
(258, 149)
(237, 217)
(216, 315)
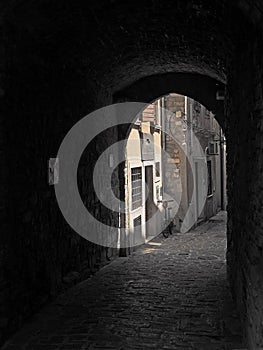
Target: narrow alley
(118, 116)
(169, 294)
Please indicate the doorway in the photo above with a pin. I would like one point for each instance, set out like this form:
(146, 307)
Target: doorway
(150, 207)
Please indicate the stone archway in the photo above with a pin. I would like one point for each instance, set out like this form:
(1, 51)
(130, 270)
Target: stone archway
(65, 60)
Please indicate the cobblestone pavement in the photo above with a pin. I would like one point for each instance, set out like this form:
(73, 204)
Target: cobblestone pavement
(170, 294)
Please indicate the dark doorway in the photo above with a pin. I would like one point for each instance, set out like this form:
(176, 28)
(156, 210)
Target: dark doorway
(150, 208)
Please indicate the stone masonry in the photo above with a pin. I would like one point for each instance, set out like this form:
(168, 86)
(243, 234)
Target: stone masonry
(170, 294)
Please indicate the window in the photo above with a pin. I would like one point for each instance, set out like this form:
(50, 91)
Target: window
(209, 178)
(136, 179)
(213, 147)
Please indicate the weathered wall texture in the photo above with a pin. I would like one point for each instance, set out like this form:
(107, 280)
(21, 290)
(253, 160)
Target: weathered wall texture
(40, 254)
(205, 128)
(245, 166)
(175, 169)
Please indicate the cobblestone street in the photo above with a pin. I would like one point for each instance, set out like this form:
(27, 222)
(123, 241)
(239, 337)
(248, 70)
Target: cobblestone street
(170, 294)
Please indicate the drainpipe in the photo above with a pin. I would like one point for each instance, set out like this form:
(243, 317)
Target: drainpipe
(163, 144)
(222, 171)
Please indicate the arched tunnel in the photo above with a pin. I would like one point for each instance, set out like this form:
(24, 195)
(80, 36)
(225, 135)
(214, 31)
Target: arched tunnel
(60, 61)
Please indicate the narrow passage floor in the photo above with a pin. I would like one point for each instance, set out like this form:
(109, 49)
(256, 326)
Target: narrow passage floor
(170, 294)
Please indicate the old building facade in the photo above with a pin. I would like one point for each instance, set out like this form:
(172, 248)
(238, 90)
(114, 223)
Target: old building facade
(200, 177)
(162, 167)
(144, 173)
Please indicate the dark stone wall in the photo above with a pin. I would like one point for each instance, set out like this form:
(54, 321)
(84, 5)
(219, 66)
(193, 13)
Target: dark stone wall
(4, 172)
(44, 97)
(244, 160)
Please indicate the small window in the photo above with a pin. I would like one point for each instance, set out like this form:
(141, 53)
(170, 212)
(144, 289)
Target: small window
(136, 179)
(209, 178)
(213, 148)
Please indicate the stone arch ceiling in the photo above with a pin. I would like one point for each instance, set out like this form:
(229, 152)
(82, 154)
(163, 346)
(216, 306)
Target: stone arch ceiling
(115, 43)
